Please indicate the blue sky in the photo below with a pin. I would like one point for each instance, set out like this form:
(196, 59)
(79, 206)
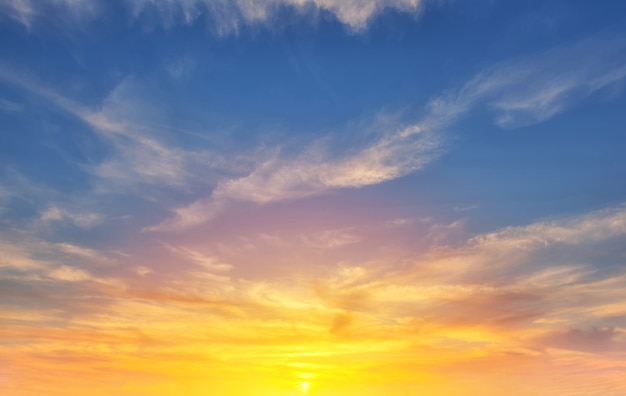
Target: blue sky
(287, 144)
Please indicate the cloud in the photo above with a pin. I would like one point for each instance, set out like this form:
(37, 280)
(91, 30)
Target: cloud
(83, 252)
(395, 152)
(533, 89)
(70, 274)
(20, 257)
(523, 91)
(28, 255)
(543, 254)
(553, 87)
(227, 16)
(595, 340)
(28, 11)
(82, 220)
(138, 156)
(143, 271)
(525, 309)
(21, 10)
(593, 227)
(533, 279)
(16, 187)
(209, 263)
(330, 239)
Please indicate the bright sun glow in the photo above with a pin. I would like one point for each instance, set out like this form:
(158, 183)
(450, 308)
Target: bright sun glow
(304, 386)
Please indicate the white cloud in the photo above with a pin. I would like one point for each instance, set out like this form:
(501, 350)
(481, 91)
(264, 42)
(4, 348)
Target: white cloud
(20, 256)
(20, 10)
(82, 220)
(522, 92)
(329, 239)
(29, 254)
(52, 213)
(533, 89)
(69, 274)
(227, 16)
(529, 280)
(27, 11)
(590, 228)
(138, 157)
(394, 153)
(143, 271)
(80, 251)
(210, 263)
(538, 257)
(541, 255)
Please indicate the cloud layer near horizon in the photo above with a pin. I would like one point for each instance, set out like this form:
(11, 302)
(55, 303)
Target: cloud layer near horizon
(533, 291)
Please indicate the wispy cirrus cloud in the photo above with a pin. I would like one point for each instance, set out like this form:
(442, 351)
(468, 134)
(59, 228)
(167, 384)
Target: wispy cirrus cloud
(28, 253)
(226, 16)
(392, 154)
(521, 92)
(209, 263)
(523, 262)
(82, 220)
(28, 11)
(535, 88)
(139, 156)
(90, 255)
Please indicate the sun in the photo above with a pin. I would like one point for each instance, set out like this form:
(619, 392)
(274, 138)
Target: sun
(305, 386)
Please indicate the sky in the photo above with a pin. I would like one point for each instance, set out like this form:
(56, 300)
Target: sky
(322, 197)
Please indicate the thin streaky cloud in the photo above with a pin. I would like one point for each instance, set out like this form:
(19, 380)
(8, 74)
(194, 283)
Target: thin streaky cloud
(522, 92)
(20, 10)
(92, 255)
(505, 278)
(20, 257)
(28, 12)
(505, 253)
(65, 273)
(482, 261)
(533, 89)
(139, 157)
(209, 263)
(394, 154)
(82, 220)
(227, 16)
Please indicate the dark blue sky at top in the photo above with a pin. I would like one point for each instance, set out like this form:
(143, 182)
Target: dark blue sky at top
(291, 81)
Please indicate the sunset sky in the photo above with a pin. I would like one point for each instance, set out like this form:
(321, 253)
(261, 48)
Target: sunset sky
(312, 197)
